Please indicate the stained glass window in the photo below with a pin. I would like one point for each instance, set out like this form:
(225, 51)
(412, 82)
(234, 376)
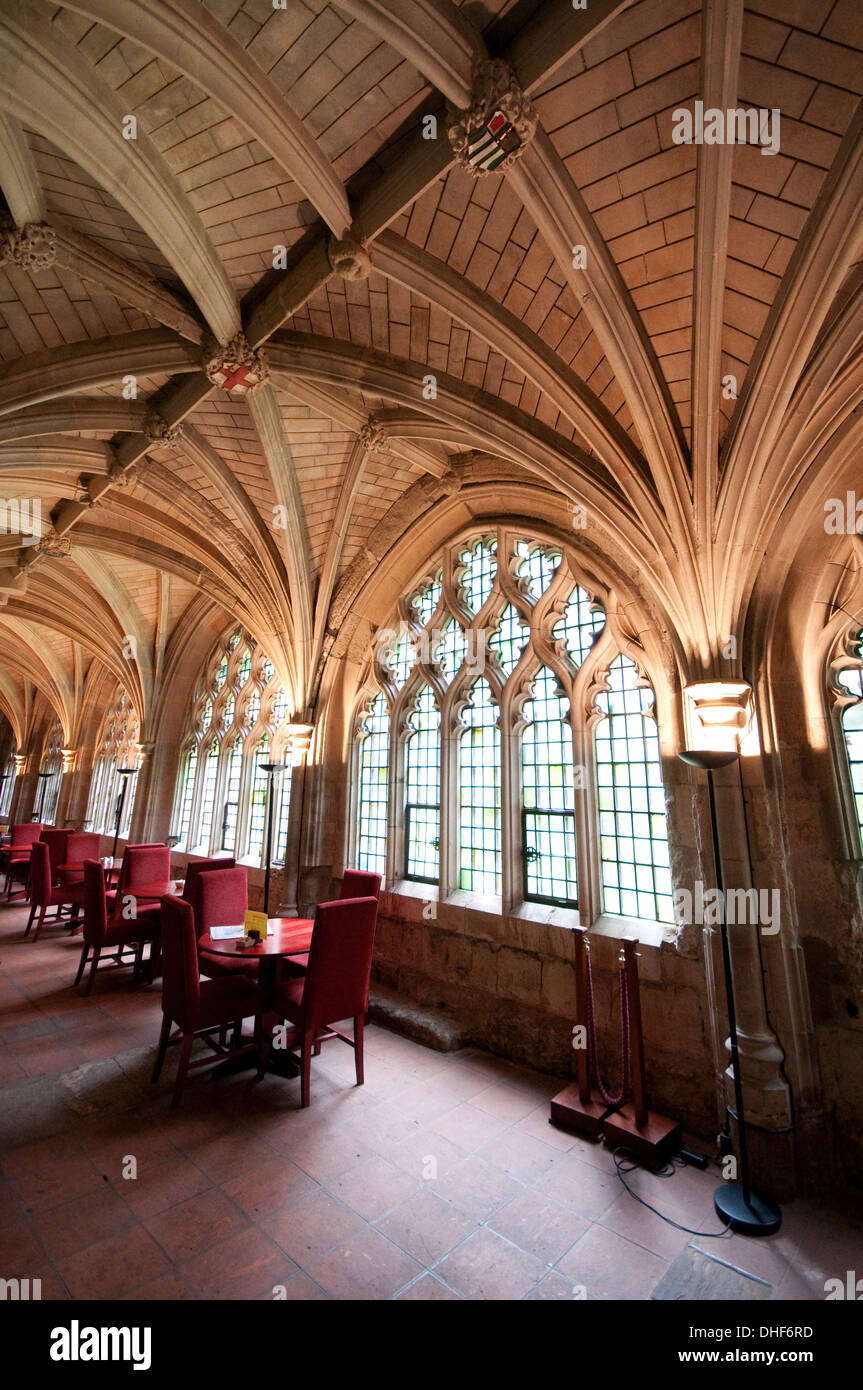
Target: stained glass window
(548, 805)
(479, 794)
(636, 873)
(422, 790)
(373, 776)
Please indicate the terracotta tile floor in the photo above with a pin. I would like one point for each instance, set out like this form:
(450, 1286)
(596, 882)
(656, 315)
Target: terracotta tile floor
(440, 1178)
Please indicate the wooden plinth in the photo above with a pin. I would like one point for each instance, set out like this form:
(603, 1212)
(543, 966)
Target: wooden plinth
(653, 1142)
(570, 1111)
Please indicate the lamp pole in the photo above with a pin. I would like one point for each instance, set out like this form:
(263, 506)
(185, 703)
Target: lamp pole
(735, 1202)
(271, 769)
(43, 776)
(125, 773)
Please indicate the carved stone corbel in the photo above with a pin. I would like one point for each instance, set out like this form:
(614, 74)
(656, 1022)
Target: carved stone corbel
(349, 257)
(33, 246)
(160, 433)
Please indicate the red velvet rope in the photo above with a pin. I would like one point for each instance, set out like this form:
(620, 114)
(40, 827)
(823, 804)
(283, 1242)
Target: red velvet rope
(624, 1038)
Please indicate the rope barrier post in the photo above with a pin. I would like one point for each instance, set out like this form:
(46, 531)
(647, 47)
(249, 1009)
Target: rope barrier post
(577, 1106)
(647, 1135)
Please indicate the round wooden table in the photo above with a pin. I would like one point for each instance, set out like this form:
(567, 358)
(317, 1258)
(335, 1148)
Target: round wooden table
(291, 936)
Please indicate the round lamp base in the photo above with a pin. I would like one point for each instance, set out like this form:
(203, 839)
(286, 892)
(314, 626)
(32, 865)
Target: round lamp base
(757, 1217)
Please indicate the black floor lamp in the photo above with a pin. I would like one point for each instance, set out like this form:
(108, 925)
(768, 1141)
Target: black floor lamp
(125, 773)
(735, 1202)
(271, 769)
(43, 776)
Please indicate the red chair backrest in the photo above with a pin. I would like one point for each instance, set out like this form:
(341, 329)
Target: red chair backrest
(57, 842)
(40, 874)
(144, 864)
(95, 910)
(26, 833)
(201, 866)
(357, 883)
(340, 961)
(181, 989)
(81, 845)
(221, 899)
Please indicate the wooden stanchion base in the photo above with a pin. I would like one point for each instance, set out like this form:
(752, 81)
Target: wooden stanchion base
(653, 1142)
(571, 1112)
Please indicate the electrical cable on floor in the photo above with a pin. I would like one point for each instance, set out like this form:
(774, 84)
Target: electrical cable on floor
(667, 1172)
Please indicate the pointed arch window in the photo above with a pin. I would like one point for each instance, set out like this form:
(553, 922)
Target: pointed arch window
(523, 764)
(422, 790)
(115, 749)
(239, 719)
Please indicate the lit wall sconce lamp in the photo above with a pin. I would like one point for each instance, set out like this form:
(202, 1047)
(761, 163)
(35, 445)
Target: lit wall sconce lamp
(20, 764)
(68, 755)
(301, 737)
(717, 713)
(717, 717)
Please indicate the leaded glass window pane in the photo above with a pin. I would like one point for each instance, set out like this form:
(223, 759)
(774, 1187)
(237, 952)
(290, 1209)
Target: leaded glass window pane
(509, 638)
(232, 797)
(426, 600)
(548, 805)
(581, 624)
(401, 657)
(258, 802)
(422, 790)
(186, 796)
(451, 649)
(480, 567)
(537, 566)
(208, 794)
(479, 795)
(636, 874)
(374, 757)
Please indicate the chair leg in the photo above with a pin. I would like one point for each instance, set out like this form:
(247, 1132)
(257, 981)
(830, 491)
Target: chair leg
(182, 1069)
(81, 964)
(39, 924)
(237, 1037)
(316, 1050)
(163, 1048)
(94, 965)
(359, 1023)
(30, 920)
(305, 1085)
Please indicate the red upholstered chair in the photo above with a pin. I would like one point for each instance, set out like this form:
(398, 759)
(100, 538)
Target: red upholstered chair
(17, 853)
(200, 1008)
(102, 934)
(221, 899)
(195, 868)
(356, 883)
(44, 894)
(81, 845)
(141, 864)
(336, 983)
(56, 840)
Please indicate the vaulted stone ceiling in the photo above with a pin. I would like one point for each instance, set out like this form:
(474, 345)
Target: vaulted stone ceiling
(579, 312)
